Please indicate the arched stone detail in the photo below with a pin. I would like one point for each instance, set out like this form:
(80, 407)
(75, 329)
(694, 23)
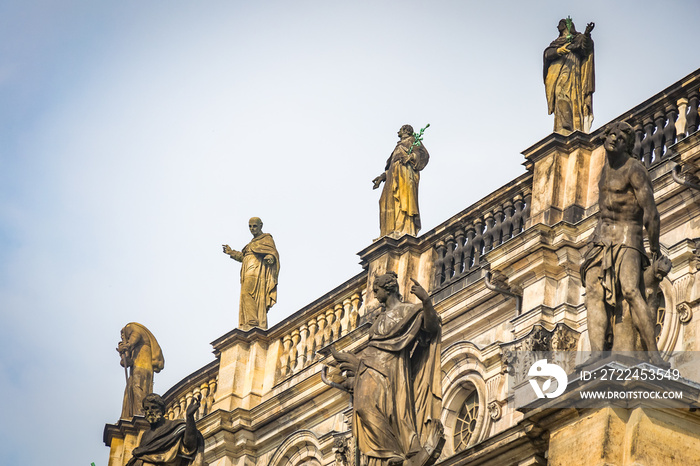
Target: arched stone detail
(463, 372)
(299, 448)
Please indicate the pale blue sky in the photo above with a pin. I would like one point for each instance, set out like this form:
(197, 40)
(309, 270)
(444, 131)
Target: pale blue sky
(137, 137)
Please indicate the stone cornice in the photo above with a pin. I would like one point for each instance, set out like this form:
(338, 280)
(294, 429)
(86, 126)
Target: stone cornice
(123, 427)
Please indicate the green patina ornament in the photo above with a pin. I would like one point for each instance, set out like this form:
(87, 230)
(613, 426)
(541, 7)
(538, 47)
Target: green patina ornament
(418, 137)
(569, 23)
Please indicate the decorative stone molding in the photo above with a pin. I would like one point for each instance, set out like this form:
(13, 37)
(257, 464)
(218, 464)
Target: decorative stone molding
(559, 343)
(341, 449)
(495, 411)
(685, 312)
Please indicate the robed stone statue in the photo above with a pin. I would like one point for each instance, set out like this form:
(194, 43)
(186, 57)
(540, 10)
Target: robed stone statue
(141, 356)
(616, 270)
(396, 380)
(168, 442)
(569, 78)
(259, 272)
(398, 204)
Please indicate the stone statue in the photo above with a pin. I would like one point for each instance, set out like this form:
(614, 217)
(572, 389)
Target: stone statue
(613, 267)
(261, 266)
(168, 442)
(396, 381)
(569, 78)
(398, 204)
(140, 356)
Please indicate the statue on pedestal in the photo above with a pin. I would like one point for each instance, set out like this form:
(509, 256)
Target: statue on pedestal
(259, 271)
(569, 78)
(398, 204)
(169, 442)
(396, 381)
(140, 356)
(613, 269)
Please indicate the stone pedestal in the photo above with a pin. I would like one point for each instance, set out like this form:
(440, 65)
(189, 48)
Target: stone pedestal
(122, 438)
(619, 432)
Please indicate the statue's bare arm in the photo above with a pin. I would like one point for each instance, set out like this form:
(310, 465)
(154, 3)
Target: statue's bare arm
(432, 320)
(269, 259)
(639, 179)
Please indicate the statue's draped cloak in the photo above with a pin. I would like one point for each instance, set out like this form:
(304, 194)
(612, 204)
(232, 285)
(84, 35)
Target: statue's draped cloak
(166, 447)
(140, 381)
(398, 387)
(258, 281)
(398, 204)
(569, 82)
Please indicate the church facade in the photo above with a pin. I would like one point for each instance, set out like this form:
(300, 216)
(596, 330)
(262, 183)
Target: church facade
(504, 277)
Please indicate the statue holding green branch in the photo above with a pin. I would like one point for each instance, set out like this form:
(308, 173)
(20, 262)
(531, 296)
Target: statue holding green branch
(398, 204)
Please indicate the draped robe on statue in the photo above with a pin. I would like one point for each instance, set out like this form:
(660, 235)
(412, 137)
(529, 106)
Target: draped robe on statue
(143, 359)
(258, 281)
(398, 204)
(398, 393)
(569, 82)
(165, 447)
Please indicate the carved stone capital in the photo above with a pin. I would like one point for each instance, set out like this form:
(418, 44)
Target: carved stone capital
(685, 312)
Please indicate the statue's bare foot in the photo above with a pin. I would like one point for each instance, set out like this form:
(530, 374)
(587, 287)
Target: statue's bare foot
(590, 361)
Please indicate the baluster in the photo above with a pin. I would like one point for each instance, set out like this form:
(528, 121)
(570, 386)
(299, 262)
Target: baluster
(301, 354)
(518, 222)
(670, 129)
(681, 121)
(176, 409)
(469, 248)
(212, 391)
(693, 117)
(647, 143)
(321, 332)
(658, 138)
(488, 233)
(293, 352)
(478, 241)
(338, 330)
(347, 307)
(498, 224)
(311, 341)
(507, 225)
(459, 252)
(204, 401)
(440, 263)
(638, 136)
(170, 414)
(183, 407)
(449, 258)
(330, 335)
(285, 363)
(355, 313)
(526, 210)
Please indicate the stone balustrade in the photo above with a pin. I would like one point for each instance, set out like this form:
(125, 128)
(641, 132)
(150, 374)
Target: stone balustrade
(201, 383)
(665, 119)
(300, 342)
(479, 229)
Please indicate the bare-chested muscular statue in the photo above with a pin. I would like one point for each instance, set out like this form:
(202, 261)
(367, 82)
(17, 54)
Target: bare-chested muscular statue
(613, 268)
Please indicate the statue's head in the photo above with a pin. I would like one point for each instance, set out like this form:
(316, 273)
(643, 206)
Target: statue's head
(619, 138)
(566, 25)
(385, 286)
(405, 131)
(255, 226)
(153, 408)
